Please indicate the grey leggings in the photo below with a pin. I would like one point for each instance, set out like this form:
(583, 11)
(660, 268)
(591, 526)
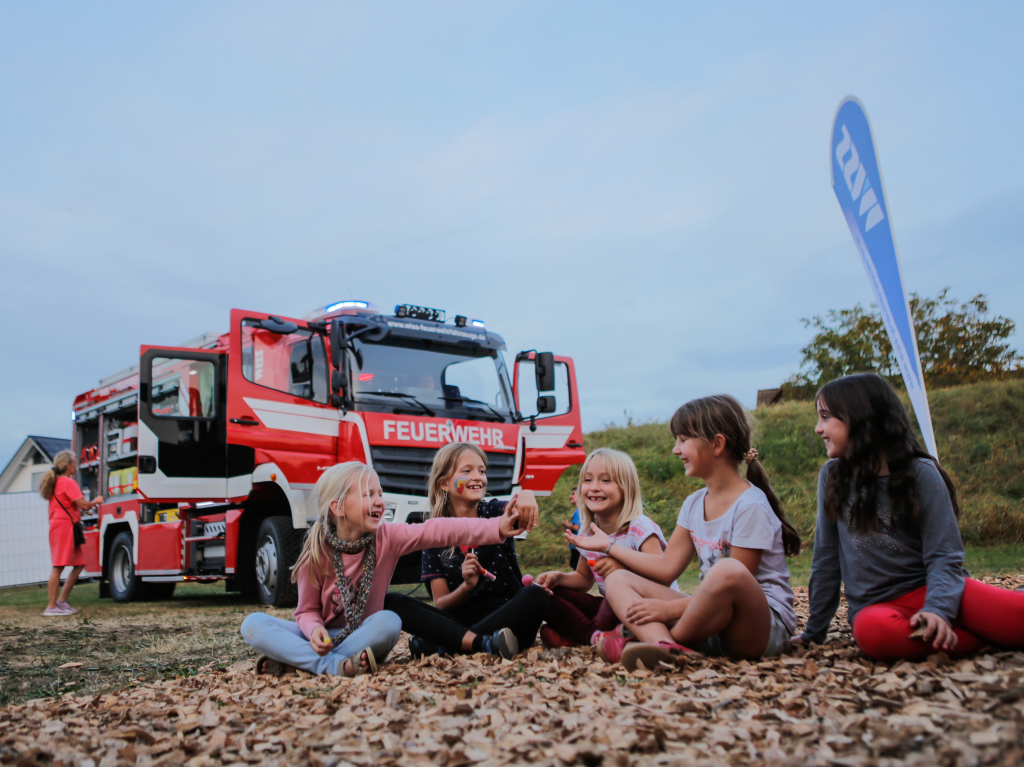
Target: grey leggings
(283, 641)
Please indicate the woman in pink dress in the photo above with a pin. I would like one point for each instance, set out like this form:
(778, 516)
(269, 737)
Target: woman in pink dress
(66, 505)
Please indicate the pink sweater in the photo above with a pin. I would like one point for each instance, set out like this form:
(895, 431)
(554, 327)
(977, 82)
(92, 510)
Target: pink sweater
(319, 599)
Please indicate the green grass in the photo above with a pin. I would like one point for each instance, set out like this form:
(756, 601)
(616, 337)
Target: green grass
(980, 441)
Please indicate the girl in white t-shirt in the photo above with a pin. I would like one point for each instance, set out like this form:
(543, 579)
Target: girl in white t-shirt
(609, 500)
(743, 607)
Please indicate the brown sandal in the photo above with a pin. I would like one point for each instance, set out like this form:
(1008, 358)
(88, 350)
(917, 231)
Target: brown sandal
(357, 663)
(270, 667)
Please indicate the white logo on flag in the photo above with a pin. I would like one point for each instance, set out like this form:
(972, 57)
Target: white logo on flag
(857, 181)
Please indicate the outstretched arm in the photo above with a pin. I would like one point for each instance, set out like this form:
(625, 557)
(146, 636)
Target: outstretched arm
(663, 568)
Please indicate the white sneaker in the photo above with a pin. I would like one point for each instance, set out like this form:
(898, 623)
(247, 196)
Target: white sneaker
(66, 606)
(58, 610)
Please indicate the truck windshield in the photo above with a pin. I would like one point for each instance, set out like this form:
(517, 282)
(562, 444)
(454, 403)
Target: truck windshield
(446, 380)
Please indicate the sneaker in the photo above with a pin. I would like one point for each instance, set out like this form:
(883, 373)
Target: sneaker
(502, 642)
(418, 647)
(58, 610)
(619, 631)
(552, 640)
(610, 647)
(67, 607)
(651, 654)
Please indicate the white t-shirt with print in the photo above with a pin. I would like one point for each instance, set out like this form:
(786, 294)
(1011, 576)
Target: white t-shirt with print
(632, 537)
(749, 523)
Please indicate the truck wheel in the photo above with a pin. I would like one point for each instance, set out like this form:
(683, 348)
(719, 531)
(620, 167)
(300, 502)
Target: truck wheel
(125, 585)
(278, 545)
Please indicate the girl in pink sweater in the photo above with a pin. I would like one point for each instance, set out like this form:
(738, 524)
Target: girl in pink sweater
(344, 571)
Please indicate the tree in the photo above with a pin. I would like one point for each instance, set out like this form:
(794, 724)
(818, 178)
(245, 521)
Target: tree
(958, 343)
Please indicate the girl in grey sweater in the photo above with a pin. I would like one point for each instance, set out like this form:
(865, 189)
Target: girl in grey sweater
(887, 530)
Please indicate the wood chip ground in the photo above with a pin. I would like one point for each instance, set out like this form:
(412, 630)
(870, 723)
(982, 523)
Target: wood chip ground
(827, 705)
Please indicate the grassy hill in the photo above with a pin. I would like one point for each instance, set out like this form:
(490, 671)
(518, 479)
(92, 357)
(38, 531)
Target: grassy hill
(980, 438)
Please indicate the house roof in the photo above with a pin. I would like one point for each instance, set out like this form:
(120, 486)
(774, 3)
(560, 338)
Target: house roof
(48, 447)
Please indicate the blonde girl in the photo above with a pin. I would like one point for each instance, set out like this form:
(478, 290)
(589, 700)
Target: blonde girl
(343, 574)
(609, 501)
(480, 602)
(66, 504)
(736, 528)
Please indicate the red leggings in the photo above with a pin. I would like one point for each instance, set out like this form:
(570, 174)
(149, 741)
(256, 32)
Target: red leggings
(576, 615)
(988, 615)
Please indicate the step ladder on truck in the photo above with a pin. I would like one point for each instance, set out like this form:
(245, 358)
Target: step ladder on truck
(207, 453)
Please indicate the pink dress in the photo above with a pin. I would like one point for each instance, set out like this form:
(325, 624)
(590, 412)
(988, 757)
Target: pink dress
(63, 552)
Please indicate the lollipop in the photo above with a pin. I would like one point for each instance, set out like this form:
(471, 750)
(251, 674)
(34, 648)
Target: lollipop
(527, 580)
(486, 573)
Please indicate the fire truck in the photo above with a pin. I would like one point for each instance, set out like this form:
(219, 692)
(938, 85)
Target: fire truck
(207, 453)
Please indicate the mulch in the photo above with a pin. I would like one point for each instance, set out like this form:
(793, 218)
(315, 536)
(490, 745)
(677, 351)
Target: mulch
(824, 705)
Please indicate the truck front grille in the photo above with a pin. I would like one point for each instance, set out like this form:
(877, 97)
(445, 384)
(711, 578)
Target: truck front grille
(405, 470)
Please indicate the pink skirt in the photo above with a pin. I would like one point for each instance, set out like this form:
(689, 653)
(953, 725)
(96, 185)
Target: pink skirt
(63, 552)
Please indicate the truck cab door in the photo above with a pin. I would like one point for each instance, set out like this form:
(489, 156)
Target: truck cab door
(550, 441)
(279, 402)
(182, 423)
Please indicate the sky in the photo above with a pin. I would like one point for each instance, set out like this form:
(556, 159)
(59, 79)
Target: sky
(642, 187)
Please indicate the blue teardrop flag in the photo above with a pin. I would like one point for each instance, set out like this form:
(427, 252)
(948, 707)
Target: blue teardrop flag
(857, 181)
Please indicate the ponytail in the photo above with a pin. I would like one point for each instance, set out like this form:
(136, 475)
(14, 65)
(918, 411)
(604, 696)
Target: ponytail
(49, 481)
(758, 478)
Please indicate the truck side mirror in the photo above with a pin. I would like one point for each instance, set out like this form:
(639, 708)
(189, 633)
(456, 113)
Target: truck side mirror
(545, 370)
(546, 404)
(274, 324)
(338, 342)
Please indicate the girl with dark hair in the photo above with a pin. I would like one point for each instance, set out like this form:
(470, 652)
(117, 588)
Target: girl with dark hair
(887, 530)
(736, 528)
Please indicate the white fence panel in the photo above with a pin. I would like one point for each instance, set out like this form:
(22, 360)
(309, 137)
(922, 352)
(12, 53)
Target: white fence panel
(24, 539)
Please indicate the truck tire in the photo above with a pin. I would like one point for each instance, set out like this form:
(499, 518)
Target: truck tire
(278, 545)
(125, 585)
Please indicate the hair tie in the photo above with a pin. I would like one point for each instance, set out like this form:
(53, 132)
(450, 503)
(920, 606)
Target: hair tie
(750, 456)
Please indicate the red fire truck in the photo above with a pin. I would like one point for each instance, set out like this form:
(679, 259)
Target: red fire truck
(207, 453)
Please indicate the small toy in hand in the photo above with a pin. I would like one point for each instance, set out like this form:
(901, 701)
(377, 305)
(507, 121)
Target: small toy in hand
(527, 580)
(486, 573)
(592, 562)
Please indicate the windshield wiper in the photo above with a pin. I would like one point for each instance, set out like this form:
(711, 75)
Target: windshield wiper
(479, 402)
(407, 397)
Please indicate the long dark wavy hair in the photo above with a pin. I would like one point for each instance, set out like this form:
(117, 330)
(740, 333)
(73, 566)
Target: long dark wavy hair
(878, 429)
(707, 417)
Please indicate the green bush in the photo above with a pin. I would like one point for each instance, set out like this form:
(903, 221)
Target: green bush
(978, 429)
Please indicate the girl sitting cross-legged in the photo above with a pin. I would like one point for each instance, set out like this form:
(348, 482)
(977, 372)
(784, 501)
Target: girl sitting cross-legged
(743, 607)
(480, 602)
(343, 574)
(887, 530)
(609, 502)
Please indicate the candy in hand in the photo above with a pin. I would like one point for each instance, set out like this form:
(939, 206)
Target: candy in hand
(592, 562)
(484, 572)
(527, 580)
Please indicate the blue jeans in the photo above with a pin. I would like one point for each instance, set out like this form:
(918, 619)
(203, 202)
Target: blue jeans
(283, 641)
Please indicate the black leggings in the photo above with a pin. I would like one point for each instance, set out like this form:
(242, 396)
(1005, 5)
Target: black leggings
(523, 613)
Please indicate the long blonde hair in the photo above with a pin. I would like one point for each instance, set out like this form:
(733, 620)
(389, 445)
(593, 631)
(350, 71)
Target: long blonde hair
(446, 463)
(622, 470)
(49, 480)
(334, 485)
